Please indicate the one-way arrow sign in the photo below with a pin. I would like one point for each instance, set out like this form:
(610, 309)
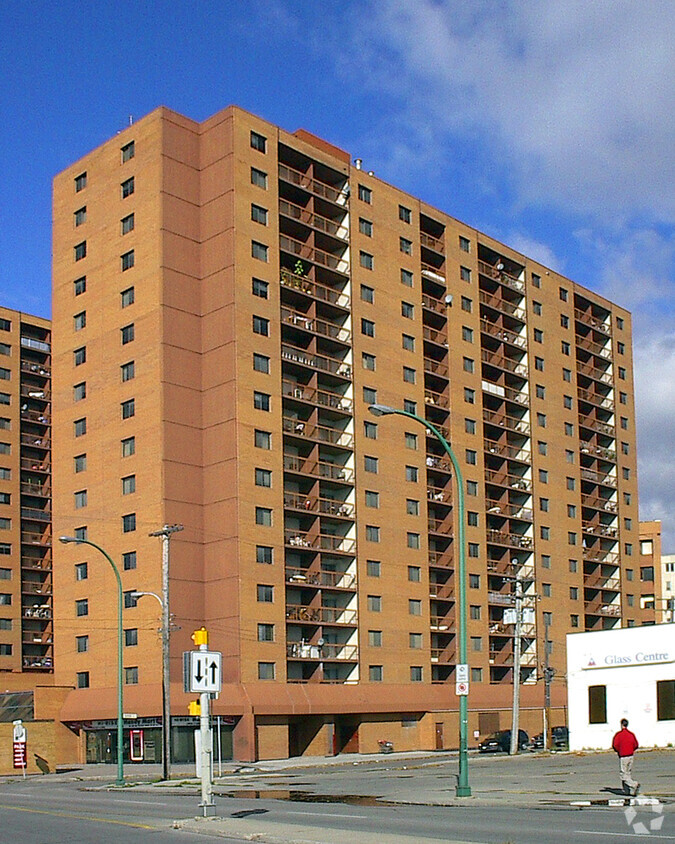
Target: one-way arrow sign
(202, 671)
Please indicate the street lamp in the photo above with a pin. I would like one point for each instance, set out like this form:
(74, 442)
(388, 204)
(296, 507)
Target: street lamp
(120, 684)
(463, 788)
(166, 706)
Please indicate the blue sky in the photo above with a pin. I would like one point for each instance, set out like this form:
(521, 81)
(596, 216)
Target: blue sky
(549, 125)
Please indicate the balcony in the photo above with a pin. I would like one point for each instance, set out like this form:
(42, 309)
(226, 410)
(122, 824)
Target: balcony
(441, 559)
(597, 451)
(594, 425)
(500, 478)
(43, 612)
(38, 490)
(441, 464)
(35, 369)
(439, 400)
(35, 538)
(443, 622)
(597, 399)
(511, 452)
(435, 367)
(327, 651)
(432, 243)
(600, 555)
(512, 540)
(598, 477)
(492, 272)
(432, 274)
(32, 391)
(603, 582)
(501, 599)
(36, 465)
(321, 615)
(36, 563)
(322, 506)
(600, 530)
(311, 253)
(599, 504)
(439, 495)
(588, 319)
(443, 655)
(601, 375)
(34, 637)
(503, 305)
(439, 525)
(300, 283)
(507, 510)
(325, 579)
(518, 396)
(603, 351)
(296, 177)
(599, 607)
(317, 326)
(35, 514)
(435, 305)
(320, 542)
(38, 345)
(36, 587)
(314, 221)
(502, 362)
(504, 335)
(509, 423)
(322, 433)
(325, 363)
(37, 663)
(324, 398)
(442, 591)
(318, 468)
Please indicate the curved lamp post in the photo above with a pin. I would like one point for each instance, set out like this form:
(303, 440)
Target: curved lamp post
(166, 705)
(120, 678)
(463, 788)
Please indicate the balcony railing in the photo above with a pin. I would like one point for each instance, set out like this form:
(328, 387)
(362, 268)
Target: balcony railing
(36, 587)
(503, 305)
(315, 221)
(318, 468)
(602, 375)
(442, 591)
(38, 563)
(329, 650)
(499, 598)
(339, 196)
(505, 508)
(442, 622)
(320, 615)
(502, 362)
(311, 253)
(599, 503)
(38, 490)
(443, 655)
(442, 464)
(609, 531)
(328, 579)
(509, 423)
(505, 479)
(441, 559)
(439, 400)
(323, 433)
(499, 275)
(599, 555)
(513, 540)
(323, 506)
(432, 243)
(35, 514)
(512, 452)
(518, 396)
(33, 538)
(32, 391)
(314, 289)
(433, 274)
(318, 326)
(603, 351)
(36, 442)
(35, 465)
(503, 334)
(42, 613)
(439, 495)
(598, 477)
(435, 305)
(597, 451)
(35, 369)
(595, 398)
(296, 354)
(595, 425)
(435, 367)
(320, 542)
(325, 398)
(439, 525)
(38, 345)
(603, 582)
(588, 319)
(602, 608)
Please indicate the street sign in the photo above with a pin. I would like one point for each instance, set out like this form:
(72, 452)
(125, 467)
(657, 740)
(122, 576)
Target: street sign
(461, 688)
(202, 671)
(462, 673)
(19, 754)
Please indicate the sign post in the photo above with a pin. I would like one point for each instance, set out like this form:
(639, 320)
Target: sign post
(202, 672)
(19, 754)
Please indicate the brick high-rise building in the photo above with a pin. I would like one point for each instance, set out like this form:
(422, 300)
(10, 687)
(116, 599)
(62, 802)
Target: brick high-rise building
(229, 299)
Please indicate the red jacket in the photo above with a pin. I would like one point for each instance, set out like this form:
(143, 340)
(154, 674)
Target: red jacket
(624, 742)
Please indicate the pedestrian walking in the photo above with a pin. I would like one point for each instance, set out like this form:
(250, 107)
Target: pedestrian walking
(625, 744)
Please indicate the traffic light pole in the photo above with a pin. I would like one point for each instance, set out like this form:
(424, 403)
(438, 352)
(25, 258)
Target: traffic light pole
(208, 807)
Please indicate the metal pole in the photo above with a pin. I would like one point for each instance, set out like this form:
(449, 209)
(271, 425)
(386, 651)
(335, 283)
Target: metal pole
(463, 789)
(207, 805)
(547, 684)
(120, 670)
(515, 721)
(165, 534)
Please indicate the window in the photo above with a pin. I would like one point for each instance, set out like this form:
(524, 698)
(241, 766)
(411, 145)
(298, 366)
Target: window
(79, 286)
(536, 308)
(468, 364)
(539, 364)
(367, 294)
(409, 406)
(366, 260)
(621, 348)
(665, 700)
(546, 590)
(542, 447)
(372, 499)
(128, 370)
(375, 673)
(409, 375)
(128, 484)
(127, 260)
(265, 632)
(82, 607)
(128, 446)
(80, 250)
(470, 426)
(545, 561)
(5, 524)
(372, 533)
(571, 483)
(414, 574)
(264, 554)
(474, 549)
(571, 511)
(563, 294)
(81, 571)
(80, 321)
(80, 427)
(80, 216)
(80, 499)
(414, 606)
(261, 363)
(5, 349)
(567, 402)
(374, 603)
(467, 334)
(472, 518)
(405, 245)
(369, 395)
(476, 643)
(408, 342)
(370, 464)
(471, 488)
(464, 244)
(266, 670)
(80, 532)
(261, 326)
(413, 540)
(128, 408)
(80, 391)
(263, 516)
(365, 194)
(538, 335)
(258, 178)
(622, 373)
(404, 214)
(262, 439)
(258, 214)
(416, 674)
(373, 568)
(647, 574)
(411, 474)
(127, 187)
(82, 679)
(415, 640)
(624, 423)
(545, 532)
(465, 274)
(263, 477)
(261, 401)
(469, 395)
(471, 456)
(410, 441)
(127, 334)
(365, 227)
(544, 505)
(540, 391)
(564, 321)
(131, 676)
(129, 560)
(80, 356)
(368, 361)
(368, 327)
(82, 644)
(260, 288)
(259, 251)
(265, 593)
(370, 430)
(407, 278)
(80, 182)
(474, 581)
(258, 142)
(467, 304)
(541, 420)
(597, 704)
(475, 612)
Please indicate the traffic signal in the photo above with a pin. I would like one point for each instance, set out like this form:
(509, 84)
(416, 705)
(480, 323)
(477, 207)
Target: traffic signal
(201, 636)
(194, 708)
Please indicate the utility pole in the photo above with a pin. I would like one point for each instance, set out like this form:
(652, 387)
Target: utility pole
(165, 534)
(515, 721)
(548, 676)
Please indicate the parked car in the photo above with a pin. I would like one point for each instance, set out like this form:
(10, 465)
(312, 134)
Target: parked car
(560, 738)
(501, 741)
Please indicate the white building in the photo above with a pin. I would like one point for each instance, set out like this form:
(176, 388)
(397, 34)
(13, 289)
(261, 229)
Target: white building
(621, 673)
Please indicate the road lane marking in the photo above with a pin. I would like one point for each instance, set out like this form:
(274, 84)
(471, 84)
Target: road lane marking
(326, 815)
(623, 834)
(77, 817)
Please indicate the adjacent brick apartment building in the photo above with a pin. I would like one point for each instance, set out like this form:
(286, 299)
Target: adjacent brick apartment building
(229, 299)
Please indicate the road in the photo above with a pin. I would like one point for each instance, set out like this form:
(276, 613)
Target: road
(50, 810)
